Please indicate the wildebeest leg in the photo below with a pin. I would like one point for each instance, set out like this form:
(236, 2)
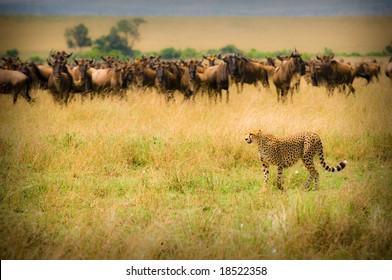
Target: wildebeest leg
(351, 90)
(66, 97)
(15, 97)
(25, 93)
(278, 94)
(257, 86)
(227, 96)
(220, 95)
(291, 93)
(285, 93)
(330, 90)
(238, 87)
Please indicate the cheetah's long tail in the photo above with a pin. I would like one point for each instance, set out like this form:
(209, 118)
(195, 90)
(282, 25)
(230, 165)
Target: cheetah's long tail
(339, 167)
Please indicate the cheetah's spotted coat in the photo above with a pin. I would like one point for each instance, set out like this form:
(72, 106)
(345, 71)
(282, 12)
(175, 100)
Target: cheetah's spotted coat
(284, 152)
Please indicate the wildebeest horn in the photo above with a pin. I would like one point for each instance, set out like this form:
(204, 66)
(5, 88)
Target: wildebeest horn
(77, 63)
(67, 55)
(52, 52)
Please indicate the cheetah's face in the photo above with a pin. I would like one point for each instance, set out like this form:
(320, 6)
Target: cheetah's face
(248, 137)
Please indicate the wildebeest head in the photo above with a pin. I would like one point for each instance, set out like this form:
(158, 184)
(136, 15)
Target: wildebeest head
(211, 58)
(192, 69)
(110, 60)
(314, 68)
(299, 63)
(232, 61)
(11, 62)
(84, 65)
(160, 74)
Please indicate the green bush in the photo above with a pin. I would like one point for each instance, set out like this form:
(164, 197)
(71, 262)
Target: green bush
(11, 52)
(170, 53)
(229, 49)
(189, 53)
(36, 59)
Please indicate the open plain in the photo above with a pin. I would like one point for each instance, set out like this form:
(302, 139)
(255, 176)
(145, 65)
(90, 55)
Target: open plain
(144, 179)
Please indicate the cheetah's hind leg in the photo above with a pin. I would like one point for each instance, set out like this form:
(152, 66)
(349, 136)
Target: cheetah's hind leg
(313, 174)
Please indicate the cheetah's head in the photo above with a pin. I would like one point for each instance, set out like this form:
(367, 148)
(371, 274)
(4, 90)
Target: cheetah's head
(249, 135)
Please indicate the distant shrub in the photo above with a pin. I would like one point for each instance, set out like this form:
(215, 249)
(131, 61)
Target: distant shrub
(388, 49)
(36, 59)
(328, 51)
(11, 52)
(190, 53)
(253, 53)
(170, 53)
(229, 49)
(96, 54)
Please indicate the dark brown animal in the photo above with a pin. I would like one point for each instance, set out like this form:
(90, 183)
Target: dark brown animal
(41, 74)
(145, 75)
(187, 81)
(368, 70)
(334, 74)
(107, 80)
(81, 76)
(14, 82)
(286, 75)
(217, 79)
(196, 72)
(388, 69)
(212, 59)
(60, 81)
(166, 81)
(243, 70)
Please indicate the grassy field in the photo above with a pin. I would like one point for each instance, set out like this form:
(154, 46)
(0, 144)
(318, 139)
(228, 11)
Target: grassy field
(142, 179)
(37, 35)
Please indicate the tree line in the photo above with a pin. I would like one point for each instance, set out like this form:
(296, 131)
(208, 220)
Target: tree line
(122, 37)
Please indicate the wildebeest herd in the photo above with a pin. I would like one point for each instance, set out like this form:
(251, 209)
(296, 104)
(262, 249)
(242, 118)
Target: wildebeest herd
(211, 74)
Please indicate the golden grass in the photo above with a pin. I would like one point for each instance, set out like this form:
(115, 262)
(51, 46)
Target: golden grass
(37, 35)
(142, 179)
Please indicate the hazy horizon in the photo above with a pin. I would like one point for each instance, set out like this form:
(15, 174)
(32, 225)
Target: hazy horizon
(199, 7)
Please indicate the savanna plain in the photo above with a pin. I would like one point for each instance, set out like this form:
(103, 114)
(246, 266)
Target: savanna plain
(145, 179)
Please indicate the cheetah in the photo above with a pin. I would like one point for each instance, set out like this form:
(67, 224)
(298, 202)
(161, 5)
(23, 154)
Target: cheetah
(286, 151)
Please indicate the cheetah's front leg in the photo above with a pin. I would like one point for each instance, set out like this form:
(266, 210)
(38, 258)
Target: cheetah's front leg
(279, 179)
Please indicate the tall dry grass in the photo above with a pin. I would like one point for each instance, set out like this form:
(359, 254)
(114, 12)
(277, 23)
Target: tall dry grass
(143, 179)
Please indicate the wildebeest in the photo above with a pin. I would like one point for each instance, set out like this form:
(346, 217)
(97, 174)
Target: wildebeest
(211, 58)
(334, 74)
(243, 70)
(196, 74)
(166, 81)
(368, 70)
(287, 73)
(16, 83)
(10, 63)
(81, 76)
(60, 81)
(145, 75)
(217, 79)
(187, 81)
(107, 80)
(388, 69)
